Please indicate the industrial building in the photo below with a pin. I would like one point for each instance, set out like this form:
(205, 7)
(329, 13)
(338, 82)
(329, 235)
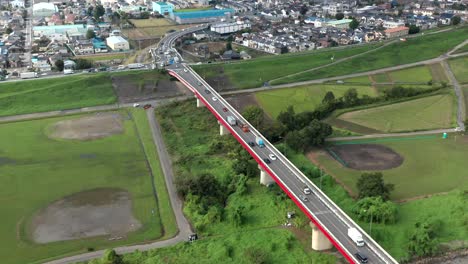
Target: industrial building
(226, 28)
(163, 8)
(117, 43)
(396, 32)
(343, 23)
(203, 16)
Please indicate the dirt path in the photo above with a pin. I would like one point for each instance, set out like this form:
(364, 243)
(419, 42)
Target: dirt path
(461, 115)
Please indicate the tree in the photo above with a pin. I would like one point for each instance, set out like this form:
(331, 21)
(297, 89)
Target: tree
(254, 115)
(144, 15)
(296, 140)
(59, 65)
(372, 184)
(413, 29)
(98, 12)
(375, 209)
(422, 241)
(111, 257)
(8, 30)
(316, 132)
(83, 64)
(90, 34)
(303, 10)
(256, 255)
(350, 97)
(456, 20)
(229, 46)
(287, 118)
(339, 16)
(354, 24)
(328, 98)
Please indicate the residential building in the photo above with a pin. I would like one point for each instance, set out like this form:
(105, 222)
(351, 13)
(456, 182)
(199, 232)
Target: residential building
(17, 3)
(44, 9)
(225, 28)
(396, 32)
(343, 23)
(392, 24)
(117, 43)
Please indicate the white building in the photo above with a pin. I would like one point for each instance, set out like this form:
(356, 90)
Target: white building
(392, 24)
(117, 43)
(44, 9)
(225, 28)
(17, 3)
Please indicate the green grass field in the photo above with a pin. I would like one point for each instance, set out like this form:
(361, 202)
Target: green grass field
(254, 73)
(438, 73)
(381, 78)
(420, 114)
(459, 68)
(278, 246)
(45, 170)
(151, 22)
(419, 74)
(303, 98)
(116, 56)
(431, 164)
(412, 50)
(462, 49)
(57, 94)
(359, 80)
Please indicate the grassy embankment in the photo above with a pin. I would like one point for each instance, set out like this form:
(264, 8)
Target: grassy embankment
(70, 92)
(399, 53)
(254, 73)
(459, 68)
(30, 182)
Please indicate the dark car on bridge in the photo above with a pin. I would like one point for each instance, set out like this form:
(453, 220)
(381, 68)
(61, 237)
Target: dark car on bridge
(267, 161)
(361, 257)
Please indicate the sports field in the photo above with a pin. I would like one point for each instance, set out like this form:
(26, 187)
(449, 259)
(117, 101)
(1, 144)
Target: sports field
(58, 161)
(151, 22)
(303, 98)
(430, 163)
(413, 50)
(254, 73)
(420, 114)
(44, 95)
(459, 67)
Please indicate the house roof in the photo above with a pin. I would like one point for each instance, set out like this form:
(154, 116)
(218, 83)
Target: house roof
(392, 30)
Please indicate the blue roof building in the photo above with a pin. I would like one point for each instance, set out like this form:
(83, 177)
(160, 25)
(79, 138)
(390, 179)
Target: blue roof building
(163, 8)
(202, 16)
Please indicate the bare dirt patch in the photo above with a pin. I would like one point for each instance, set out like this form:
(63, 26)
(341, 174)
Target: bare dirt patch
(129, 90)
(241, 101)
(89, 127)
(366, 156)
(90, 213)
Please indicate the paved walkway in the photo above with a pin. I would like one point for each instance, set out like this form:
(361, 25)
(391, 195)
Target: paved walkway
(461, 113)
(428, 132)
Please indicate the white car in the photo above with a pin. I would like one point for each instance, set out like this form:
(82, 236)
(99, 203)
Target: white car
(185, 70)
(272, 157)
(215, 98)
(307, 190)
(136, 105)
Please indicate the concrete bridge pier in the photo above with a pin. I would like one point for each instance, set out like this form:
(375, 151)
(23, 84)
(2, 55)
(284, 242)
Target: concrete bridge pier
(200, 103)
(222, 129)
(265, 179)
(319, 240)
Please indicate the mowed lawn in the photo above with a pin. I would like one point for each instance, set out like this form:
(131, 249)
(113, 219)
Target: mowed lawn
(151, 22)
(413, 50)
(431, 165)
(304, 98)
(420, 74)
(459, 68)
(44, 95)
(254, 73)
(36, 171)
(420, 114)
